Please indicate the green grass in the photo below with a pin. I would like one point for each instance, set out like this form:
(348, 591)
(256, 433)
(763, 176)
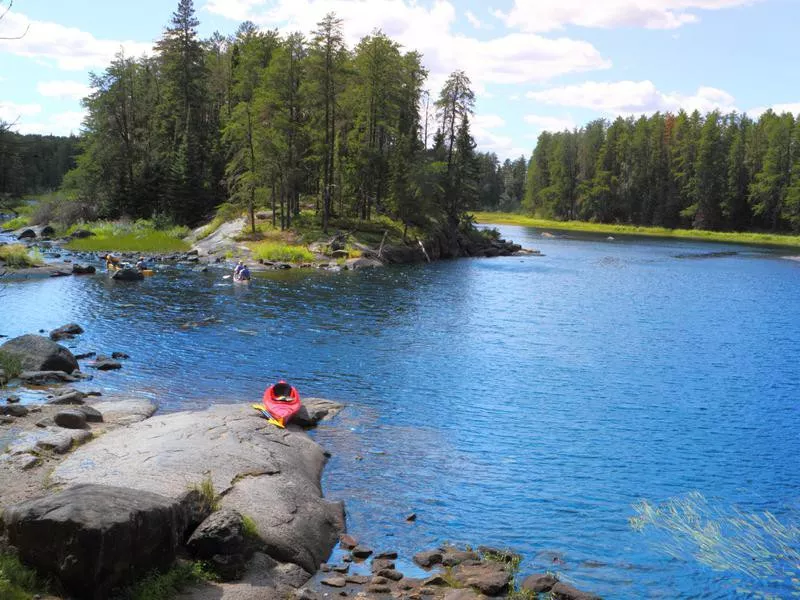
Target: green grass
(17, 582)
(17, 256)
(250, 528)
(139, 236)
(11, 364)
(15, 223)
(280, 252)
(734, 237)
(209, 497)
(165, 586)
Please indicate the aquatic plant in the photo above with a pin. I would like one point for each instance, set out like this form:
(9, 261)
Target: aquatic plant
(754, 544)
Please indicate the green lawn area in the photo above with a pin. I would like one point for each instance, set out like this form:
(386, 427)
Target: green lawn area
(18, 256)
(141, 236)
(735, 237)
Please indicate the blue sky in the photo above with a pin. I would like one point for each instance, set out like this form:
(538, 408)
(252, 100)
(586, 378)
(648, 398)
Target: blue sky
(535, 64)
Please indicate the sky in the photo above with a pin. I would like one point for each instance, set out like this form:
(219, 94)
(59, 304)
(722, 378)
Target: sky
(535, 65)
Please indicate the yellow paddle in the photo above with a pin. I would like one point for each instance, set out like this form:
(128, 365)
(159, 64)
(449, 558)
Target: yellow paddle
(265, 413)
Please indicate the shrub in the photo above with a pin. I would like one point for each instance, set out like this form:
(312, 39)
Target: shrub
(17, 582)
(16, 223)
(18, 256)
(11, 364)
(278, 252)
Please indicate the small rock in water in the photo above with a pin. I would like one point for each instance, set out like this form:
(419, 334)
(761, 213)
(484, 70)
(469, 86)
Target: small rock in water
(119, 355)
(361, 552)
(347, 541)
(106, 365)
(85, 355)
(411, 517)
(13, 399)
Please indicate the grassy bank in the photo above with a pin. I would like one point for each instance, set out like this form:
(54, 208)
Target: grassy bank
(140, 236)
(733, 237)
(17, 582)
(18, 256)
(280, 252)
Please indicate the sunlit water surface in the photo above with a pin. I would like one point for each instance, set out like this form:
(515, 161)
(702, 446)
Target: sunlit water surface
(522, 402)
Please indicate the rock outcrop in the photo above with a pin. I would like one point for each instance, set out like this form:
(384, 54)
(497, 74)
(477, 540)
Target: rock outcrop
(98, 537)
(38, 353)
(268, 474)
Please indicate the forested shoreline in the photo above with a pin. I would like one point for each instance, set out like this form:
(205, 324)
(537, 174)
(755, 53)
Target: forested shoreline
(712, 172)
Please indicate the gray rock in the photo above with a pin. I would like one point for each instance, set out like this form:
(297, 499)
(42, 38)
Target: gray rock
(37, 353)
(337, 581)
(68, 396)
(490, 578)
(363, 263)
(361, 552)
(314, 410)
(82, 233)
(85, 355)
(221, 533)
(13, 399)
(44, 377)
(271, 475)
(98, 537)
(451, 557)
(61, 441)
(347, 541)
(389, 554)
(428, 558)
(539, 583)
(70, 419)
(463, 594)
(106, 365)
(357, 579)
(128, 275)
(563, 591)
(118, 355)
(92, 414)
(14, 410)
(125, 412)
(66, 331)
(392, 574)
(26, 234)
(5, 420)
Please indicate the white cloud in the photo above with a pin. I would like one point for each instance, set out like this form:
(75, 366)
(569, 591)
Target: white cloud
(11, 112)
(545, 123)
(547, 15)
(64, 123)
(791, 107)
(69, 47)
(633, 97)
(508, 59)
(488, 121)
(473, 20)
(64, 89)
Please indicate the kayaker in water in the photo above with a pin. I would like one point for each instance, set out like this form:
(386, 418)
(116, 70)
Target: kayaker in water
(111, 261)
(141, 265)
(241, 272)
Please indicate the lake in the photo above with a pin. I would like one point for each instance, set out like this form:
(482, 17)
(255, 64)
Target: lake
(523, 402)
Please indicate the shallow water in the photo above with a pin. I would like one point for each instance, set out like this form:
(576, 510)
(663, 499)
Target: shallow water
(525, 402)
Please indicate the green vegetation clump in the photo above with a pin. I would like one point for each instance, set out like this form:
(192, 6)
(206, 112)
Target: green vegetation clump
(17, 582)
(16, 223)
(120, 236)
(733, 237)
(250, 527)
(10, 364)
(280, 252)
(18, 256)
(208, 496)
(165, 586)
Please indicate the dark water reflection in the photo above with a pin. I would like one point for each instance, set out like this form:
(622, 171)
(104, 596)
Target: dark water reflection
(522, 402)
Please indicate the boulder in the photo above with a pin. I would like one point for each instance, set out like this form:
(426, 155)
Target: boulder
(539, 583)
(126, 411)
(66, 332)
(221, 533)
(488, 577)
(428, 558)
(463, 594)
(37, 353)
(82, 233)
(271, 475)
(70, 419)
(68, 396)
(118, 355)
(361, 552)
(363, 263)
(347, 541)
(563, 591)
(14, 410)
(98, 537)
(452, 557)
(26, 234)
(92, 414)
(83, 270)
(128, 275)
(106, 365)
(314, 410)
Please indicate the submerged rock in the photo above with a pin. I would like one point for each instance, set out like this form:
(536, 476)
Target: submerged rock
(67, 331)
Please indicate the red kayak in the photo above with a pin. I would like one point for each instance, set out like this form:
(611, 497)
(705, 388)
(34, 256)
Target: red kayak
(282, 402)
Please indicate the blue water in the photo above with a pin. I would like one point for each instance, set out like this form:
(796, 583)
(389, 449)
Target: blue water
(523, 402)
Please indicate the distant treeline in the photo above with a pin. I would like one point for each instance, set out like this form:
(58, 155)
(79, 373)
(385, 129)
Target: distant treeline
(33, 164)
(719, 171)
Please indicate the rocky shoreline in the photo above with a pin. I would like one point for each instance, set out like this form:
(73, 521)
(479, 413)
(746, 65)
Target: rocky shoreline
(116, 490)
(214, 249)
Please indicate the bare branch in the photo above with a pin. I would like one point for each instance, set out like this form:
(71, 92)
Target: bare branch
(17, 37)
